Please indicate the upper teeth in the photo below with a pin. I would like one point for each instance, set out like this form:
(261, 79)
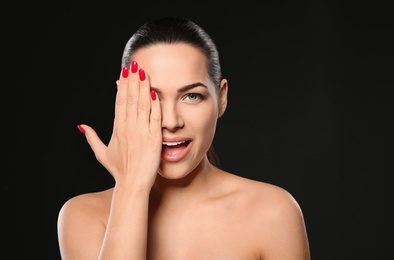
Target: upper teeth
(172, 143)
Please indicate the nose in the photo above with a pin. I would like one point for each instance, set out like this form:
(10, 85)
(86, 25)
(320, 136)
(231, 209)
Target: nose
(171, 117)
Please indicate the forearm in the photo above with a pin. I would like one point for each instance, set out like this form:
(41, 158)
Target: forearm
(126, 232)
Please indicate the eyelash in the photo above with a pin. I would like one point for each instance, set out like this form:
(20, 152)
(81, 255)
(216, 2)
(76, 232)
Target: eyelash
(197, 96)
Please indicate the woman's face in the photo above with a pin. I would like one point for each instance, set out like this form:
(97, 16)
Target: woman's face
(189, 104)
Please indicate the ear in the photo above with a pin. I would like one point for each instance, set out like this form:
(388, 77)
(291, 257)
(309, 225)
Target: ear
(223, 97)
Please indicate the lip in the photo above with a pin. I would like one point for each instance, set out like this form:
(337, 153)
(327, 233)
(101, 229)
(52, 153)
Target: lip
(175, 153)
(175, 139)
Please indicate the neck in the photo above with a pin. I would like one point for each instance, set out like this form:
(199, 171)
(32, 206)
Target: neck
(193, 187)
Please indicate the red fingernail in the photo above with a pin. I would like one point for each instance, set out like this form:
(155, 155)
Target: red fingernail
(134, 66)
(142, 75)
(81, 129)
(153, 95)
(125, 72)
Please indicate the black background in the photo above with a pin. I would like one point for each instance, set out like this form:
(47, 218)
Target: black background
(310, 86)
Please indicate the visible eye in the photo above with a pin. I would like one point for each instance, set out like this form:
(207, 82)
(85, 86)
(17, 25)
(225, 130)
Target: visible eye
(194, 97)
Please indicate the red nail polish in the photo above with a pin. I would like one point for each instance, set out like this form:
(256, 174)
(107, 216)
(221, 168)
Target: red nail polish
(134, 66)
(81, 129)
(125, 72)
(142, 75)
(153, 95)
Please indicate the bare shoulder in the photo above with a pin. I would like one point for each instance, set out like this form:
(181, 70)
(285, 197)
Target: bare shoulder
(263, 195)
(274, 218)
(82, 222)
(88, 203)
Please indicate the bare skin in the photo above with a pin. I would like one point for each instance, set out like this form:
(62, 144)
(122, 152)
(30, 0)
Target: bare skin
(169, 207)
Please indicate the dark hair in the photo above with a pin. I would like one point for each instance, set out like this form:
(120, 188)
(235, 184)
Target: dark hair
(172, 30)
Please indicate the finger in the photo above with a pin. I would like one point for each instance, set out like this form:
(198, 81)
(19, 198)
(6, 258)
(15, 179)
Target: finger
(121, 96)
(155, 115)
(144, 99)
(132, 94)
(98, 147)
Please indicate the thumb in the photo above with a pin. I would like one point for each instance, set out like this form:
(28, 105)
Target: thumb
(93, 139)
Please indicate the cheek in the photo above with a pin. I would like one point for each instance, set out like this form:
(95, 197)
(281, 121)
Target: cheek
(202, 122)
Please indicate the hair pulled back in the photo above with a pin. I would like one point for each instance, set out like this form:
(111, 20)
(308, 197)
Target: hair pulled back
(173, 30)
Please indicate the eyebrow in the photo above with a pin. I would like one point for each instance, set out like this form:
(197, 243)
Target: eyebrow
(184, 88)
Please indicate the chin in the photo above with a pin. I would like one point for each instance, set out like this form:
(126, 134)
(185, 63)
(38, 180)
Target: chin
(173, 174)
(176, 171)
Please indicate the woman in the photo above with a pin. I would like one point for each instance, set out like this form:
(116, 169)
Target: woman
(171, 200)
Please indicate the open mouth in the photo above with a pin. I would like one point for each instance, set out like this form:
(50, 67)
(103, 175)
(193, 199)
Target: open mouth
(173, 147)
(171, 144)
(174, 151)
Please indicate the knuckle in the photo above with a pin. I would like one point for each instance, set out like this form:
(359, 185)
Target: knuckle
(131, 100)
(120, 100)
(144, 106)
(155, 119)
(99, 158)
